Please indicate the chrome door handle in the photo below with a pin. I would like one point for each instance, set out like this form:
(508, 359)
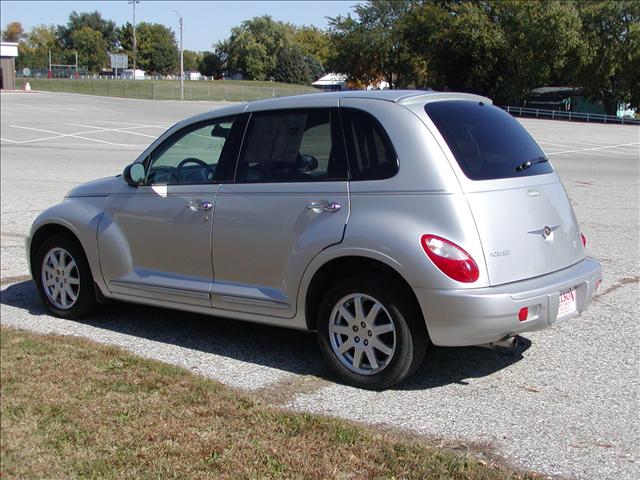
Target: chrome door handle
(324, 206)
(196, 205)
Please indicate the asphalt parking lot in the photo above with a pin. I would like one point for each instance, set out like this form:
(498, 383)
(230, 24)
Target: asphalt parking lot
(568, 405)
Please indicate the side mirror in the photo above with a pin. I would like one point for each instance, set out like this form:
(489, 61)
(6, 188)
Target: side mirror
(134, 174)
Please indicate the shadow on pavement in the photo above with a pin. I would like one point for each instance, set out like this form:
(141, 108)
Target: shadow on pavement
(275, 347)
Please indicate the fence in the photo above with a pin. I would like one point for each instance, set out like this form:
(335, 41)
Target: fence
(217, 90)
(577, 116)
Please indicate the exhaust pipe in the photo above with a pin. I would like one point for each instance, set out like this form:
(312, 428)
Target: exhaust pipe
(507, 343)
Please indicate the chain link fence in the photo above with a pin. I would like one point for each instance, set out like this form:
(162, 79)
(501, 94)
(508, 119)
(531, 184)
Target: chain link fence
(218, 90)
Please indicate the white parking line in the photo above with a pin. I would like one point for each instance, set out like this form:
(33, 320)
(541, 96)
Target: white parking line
(136, 124)
(74, 135)
(604, 147)
(120, 130)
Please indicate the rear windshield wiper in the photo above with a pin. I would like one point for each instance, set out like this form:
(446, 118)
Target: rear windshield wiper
(528, 163)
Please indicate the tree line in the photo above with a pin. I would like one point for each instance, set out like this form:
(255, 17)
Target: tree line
(93, 38)
(259, 49)
(499, 48)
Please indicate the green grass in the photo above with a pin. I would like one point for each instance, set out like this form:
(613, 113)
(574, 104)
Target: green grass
(217, 90)
(70, 408)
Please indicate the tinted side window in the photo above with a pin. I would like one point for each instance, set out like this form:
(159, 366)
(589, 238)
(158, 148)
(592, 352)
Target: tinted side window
(191, 156)
(291, 146)
(371, 155)
(486, 141)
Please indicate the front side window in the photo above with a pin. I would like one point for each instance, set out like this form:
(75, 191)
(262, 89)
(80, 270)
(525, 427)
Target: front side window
(291, 146)
(191, 156)
(486, 141)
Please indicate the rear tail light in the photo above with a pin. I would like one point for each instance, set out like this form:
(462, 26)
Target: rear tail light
(452, 260)
(523, 314)
(584, 240)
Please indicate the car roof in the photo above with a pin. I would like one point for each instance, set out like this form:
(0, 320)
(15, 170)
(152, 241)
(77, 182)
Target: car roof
(325, 99)
(396, 96)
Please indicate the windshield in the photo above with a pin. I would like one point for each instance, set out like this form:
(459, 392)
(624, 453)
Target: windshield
(486, 141)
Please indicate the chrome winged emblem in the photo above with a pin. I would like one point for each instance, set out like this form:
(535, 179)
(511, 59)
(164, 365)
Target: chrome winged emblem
(545, 231)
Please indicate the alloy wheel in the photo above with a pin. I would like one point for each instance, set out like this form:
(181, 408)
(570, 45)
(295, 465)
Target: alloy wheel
(60, 278)
(362, 334)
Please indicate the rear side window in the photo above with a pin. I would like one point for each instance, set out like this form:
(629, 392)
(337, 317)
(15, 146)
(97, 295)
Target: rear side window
(292, 146)
(486, 141)
(371, 155)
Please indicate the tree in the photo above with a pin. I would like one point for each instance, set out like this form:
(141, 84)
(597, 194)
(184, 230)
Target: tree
(458, 45)
(253, 47)
(34, 48)
(502, 49)
(93, 20)
(314, 68)
(192, 60)
(367, 48)
(313, 42)
(91, 48)
(542, 45)
(13, 33)
(609, 71)
(124, 36)
(291, 66)
(212, 65)
(157, 48)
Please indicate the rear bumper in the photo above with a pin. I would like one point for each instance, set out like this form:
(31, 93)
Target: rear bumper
(484, 315)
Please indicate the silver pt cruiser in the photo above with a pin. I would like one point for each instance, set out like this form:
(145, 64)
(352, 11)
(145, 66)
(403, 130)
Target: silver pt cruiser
(385, 221)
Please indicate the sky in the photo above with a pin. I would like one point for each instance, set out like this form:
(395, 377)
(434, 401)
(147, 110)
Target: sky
(204, 22)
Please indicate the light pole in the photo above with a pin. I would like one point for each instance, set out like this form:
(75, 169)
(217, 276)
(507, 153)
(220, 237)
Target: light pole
(135, 46)
(181, 58)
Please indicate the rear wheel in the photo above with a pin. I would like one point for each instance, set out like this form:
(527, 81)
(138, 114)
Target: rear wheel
(370, 335)
(63, 277)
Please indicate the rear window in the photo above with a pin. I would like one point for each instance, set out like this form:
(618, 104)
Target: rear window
(486, 141)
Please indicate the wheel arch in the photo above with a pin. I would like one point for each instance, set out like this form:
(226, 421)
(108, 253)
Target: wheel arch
(59, 227)
(352, 263)
(47, 230)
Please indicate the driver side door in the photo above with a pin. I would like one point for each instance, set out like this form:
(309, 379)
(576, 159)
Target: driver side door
(155, 240)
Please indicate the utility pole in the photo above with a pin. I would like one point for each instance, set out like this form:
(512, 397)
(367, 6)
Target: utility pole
(181, 58)
(135, 46)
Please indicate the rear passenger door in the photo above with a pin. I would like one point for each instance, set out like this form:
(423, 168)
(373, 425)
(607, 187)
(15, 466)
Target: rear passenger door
(288, 201)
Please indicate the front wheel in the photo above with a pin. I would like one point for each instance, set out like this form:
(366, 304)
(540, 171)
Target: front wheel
(63, 277)
(371, 335)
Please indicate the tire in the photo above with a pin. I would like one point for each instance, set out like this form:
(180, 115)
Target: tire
(394, 335)
(65, 292)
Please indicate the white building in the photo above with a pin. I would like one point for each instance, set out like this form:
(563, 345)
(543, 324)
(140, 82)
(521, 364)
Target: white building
(128, 74)
(331, 82)
(8, 54)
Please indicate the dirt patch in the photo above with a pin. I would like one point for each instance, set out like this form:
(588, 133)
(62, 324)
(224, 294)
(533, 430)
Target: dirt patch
(15, 279)
(285, 391)
(619, 284)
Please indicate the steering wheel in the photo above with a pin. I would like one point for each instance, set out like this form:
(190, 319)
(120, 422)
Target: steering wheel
(196, 161)
(167, 171)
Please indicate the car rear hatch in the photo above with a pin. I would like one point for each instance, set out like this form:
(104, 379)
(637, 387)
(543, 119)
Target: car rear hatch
(524, 218)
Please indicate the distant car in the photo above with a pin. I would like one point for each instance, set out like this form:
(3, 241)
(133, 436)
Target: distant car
(382, 220)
